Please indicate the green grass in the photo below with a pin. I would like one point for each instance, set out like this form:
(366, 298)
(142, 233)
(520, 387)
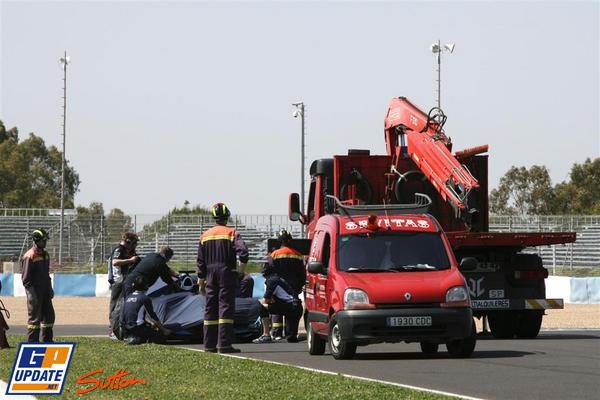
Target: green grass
(173, 373)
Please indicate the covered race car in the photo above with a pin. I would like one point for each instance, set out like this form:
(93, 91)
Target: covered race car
(182, 311)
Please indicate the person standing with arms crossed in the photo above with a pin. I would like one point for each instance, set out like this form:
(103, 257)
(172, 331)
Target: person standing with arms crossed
(35, 270)
(217, 275)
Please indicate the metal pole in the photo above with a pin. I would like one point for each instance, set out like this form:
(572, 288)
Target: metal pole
(300, 110)
(65, 62)
(302, 161)
(439, 77)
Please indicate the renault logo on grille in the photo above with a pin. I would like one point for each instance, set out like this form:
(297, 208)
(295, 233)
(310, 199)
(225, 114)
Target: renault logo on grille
(407, 296)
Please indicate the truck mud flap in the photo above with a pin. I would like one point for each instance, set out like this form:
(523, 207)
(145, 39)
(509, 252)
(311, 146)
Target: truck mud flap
(516, 304)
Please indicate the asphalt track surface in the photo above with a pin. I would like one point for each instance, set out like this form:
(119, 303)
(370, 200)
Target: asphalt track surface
(557, 365)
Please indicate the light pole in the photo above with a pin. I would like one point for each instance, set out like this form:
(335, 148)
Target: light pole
(437, 48)
(64, 61)
(299, 111)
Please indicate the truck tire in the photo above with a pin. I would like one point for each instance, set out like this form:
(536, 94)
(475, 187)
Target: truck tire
(529, 324)
(463, 348)
(503, 324)
(429, 348)
(316, 344)
(340, 349)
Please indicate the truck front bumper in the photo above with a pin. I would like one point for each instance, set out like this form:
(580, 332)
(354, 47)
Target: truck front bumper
(372, 326)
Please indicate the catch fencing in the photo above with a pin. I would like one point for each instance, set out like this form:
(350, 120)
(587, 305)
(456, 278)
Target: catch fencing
(89, 239)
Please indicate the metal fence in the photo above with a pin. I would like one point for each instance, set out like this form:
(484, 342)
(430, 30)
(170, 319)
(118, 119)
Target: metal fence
(89, 239)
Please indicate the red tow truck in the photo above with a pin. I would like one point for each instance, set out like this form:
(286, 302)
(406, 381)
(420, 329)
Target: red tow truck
(505, 284)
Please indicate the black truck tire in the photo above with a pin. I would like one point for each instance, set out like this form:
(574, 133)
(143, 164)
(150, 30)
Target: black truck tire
(340, 348)
(529, 324)
(503, 324)
(316, 344)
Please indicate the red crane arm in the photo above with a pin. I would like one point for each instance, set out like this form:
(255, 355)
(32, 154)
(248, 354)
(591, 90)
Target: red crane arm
(428, 147)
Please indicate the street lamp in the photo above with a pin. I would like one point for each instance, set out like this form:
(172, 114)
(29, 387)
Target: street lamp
(299, 111)
(64, 61)
(437, 48)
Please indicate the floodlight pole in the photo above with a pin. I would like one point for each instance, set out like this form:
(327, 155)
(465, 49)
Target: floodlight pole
(439, 75)
(300, 110)
(437, 48)
(64, 61)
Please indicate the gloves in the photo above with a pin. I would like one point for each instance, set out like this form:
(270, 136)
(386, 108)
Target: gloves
(111, 281)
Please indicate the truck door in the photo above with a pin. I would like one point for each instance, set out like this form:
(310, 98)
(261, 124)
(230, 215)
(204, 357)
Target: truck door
(317, 283)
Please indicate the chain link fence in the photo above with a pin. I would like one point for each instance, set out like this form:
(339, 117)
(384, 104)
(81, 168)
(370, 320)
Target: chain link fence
(89, 239)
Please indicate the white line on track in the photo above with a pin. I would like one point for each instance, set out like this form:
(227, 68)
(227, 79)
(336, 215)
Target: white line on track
(320, 371)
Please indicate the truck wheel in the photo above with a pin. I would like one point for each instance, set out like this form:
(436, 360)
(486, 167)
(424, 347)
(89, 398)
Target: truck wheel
(502, 324)
(529, 324)
(463, 348)
(340, 349)
(429, 348)
(316, 344)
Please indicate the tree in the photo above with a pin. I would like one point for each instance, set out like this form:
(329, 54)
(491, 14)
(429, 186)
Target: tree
(523, 191)
(30, 173)
(117, 223)
(581, 195)
(12, 133)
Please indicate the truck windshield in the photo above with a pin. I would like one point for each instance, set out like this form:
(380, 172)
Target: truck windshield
(394, 251)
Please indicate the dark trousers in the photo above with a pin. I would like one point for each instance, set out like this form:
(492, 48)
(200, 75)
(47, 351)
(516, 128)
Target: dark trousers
(116, 303)
(3, 327)
(41, 315)
(221, 283)
(292, 312)
(277, 325)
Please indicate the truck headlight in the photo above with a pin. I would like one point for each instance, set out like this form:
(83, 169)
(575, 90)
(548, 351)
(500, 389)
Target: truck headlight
(356, 299)
(457, 296)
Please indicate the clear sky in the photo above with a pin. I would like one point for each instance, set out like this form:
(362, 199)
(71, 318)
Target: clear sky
(175, 101)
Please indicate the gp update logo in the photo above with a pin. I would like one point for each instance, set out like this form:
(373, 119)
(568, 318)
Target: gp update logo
(40, 368)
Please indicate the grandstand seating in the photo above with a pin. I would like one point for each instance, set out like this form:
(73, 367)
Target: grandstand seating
(83, 247)
(183, 239)
(15, 233)
(585, 252)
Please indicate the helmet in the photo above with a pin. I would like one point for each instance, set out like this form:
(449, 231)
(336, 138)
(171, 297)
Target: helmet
(186, 283)
(284, 236)
(39, 234)
(220, 211)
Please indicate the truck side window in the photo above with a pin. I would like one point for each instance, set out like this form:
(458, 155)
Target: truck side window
(325, 252)
(311, 201)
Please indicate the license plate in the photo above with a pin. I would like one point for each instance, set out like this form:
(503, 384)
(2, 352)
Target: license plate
(409, 321)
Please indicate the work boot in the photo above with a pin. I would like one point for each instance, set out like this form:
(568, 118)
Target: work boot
(230, 349)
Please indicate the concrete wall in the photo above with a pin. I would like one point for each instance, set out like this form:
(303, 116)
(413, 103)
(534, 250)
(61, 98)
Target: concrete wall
(84, 285)
(571, 290)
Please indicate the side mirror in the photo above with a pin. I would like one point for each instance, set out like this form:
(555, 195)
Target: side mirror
(468, 263)
(294, 213)
(315, 267)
